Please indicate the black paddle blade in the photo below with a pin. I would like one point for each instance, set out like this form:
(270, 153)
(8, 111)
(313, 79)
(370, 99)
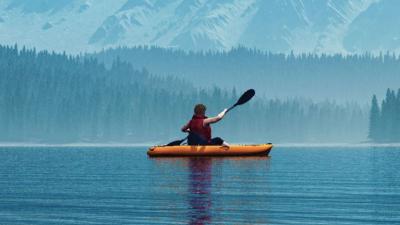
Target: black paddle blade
(175, 143)
(246, 97)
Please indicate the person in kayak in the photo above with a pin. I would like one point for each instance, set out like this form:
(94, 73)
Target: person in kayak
(199, 128)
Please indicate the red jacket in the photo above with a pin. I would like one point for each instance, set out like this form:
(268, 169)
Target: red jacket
(196, 126)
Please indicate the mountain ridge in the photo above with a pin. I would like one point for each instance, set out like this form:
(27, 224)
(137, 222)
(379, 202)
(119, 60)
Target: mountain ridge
(328, 26)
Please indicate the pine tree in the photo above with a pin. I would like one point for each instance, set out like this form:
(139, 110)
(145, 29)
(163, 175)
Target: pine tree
(374, 120)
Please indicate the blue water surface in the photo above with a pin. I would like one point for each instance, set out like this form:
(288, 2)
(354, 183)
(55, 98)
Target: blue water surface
(109, 185)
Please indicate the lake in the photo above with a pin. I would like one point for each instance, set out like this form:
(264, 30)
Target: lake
(121, 185)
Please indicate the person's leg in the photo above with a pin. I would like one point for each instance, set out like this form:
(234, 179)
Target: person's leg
(194, 139)
(217, 141)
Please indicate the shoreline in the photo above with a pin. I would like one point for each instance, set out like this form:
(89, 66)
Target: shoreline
(122, 145)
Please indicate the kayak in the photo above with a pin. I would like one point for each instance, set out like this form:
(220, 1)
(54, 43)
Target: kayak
(210, 150)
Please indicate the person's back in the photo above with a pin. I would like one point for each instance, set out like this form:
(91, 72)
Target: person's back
(196, 126)
(199, 127)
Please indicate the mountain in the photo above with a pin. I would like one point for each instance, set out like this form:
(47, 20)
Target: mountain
(377, 28)
(328, 26)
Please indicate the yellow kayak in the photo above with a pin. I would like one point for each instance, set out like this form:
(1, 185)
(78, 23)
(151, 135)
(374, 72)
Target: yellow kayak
(210, 150)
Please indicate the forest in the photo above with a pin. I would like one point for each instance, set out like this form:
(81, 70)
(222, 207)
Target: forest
(342, 77)
(47, 97)
(384, 123)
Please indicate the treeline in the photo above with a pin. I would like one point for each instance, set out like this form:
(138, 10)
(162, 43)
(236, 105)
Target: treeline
(384, 123)
(48, 97)
(316, 76)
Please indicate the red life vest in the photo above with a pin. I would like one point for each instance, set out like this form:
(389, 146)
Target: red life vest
(196, 126)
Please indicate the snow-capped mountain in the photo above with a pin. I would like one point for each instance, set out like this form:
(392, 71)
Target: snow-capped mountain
(277, 25)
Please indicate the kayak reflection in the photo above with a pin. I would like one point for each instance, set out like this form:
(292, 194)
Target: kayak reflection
(200, 190)
(203, 202)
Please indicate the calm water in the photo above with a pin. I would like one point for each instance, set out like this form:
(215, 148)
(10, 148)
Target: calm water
(124, 186)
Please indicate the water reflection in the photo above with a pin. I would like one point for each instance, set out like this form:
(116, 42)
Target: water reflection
(200, 201)
(206, 179)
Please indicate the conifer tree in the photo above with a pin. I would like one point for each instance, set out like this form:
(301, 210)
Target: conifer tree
(374, 120)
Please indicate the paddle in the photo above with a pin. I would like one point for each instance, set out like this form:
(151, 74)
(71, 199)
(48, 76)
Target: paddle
(243, 99)
(177, 142)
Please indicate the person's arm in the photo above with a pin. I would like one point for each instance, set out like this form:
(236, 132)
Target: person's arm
(214, 119)
(186, 127)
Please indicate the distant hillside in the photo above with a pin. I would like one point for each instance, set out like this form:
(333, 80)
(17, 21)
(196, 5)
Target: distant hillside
(336, 77)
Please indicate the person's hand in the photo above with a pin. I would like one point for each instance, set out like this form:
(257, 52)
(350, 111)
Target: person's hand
(222, 114)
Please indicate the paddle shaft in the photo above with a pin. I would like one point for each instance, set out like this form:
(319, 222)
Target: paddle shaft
(230, 108)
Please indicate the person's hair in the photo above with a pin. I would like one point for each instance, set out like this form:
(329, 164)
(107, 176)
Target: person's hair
(200, 109)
